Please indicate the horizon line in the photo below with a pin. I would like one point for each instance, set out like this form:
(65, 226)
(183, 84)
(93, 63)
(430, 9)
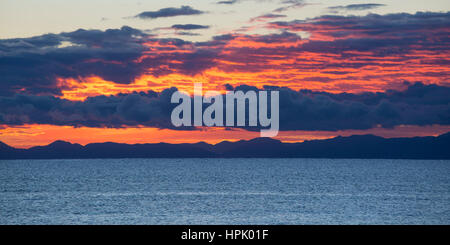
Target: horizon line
(231, 141)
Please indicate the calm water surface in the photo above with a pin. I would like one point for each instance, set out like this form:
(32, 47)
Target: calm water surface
(224, 191)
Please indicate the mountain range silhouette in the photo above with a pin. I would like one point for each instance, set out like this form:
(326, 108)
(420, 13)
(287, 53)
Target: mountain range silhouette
(356, 146)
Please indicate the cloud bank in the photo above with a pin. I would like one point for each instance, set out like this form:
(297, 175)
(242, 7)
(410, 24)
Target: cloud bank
(418, 105)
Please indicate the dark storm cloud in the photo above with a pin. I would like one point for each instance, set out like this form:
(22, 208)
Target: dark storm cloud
(363, 6)
(419, 104)
(33, 64)
(189, 27)
(169, 12)
(150, 109)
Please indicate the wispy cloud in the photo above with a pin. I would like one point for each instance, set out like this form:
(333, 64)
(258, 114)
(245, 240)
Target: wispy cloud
(169, 12)
(227, 2)
(356, 7)
(186, 33)
(189, 27)
(292, 4)
(266, 17)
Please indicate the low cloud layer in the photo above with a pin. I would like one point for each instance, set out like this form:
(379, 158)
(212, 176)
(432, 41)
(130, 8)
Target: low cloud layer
(418, 105)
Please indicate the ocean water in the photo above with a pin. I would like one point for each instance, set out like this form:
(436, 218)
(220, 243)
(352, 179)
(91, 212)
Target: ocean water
(224, 191)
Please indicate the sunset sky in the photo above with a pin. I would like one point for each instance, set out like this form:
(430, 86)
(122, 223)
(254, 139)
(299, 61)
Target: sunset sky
(94, 71)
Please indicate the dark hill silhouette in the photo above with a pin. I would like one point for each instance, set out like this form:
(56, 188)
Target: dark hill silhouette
(356, 146)
(5, 147)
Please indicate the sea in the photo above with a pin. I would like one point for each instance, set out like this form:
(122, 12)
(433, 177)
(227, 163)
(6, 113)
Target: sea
(224, 191)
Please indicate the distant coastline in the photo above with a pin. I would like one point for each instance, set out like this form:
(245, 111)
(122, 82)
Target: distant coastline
(356, 146)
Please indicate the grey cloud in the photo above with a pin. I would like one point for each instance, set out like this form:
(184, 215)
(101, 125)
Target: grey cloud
(292, 4)
(419, 104)
(169, 12)
(189, 27)
(227, 2)
(364, 6)
(267, 17)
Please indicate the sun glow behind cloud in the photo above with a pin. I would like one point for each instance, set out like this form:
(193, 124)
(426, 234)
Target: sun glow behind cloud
(348, 53)
(255, 61)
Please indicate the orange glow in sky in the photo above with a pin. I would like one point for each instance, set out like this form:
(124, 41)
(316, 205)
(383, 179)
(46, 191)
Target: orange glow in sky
(318, 62)
(33, 135)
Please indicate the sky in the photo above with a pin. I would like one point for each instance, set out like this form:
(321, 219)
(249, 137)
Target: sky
(95, 71)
